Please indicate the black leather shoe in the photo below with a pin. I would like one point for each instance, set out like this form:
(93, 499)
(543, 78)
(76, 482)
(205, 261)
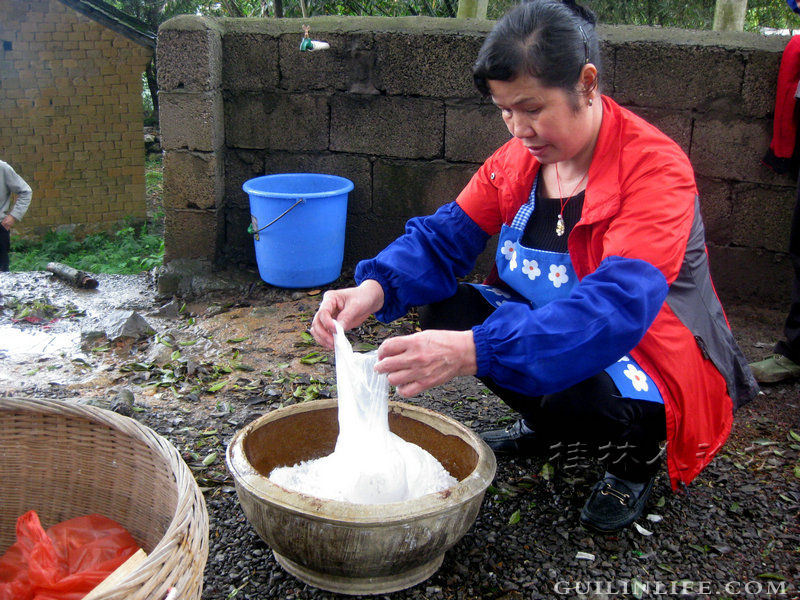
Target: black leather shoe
(515, 439)
(613, 506)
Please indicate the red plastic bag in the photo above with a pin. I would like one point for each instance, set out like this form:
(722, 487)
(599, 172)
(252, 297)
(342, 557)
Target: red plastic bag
(65, 562)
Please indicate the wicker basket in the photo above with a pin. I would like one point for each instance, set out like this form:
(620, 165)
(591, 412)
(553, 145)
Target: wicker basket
(65, 460)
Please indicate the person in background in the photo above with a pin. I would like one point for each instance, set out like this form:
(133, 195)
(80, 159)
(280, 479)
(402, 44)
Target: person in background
(599, 323)
(15, 198)
(784, 364)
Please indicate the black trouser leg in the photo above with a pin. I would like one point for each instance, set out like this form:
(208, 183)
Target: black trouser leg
(5, 248)
(587, 419)
(790, 347)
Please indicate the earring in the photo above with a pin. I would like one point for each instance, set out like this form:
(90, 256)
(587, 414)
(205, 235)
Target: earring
(590, 101)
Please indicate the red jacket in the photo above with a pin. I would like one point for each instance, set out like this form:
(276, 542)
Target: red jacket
(784, 127)
(641, 203)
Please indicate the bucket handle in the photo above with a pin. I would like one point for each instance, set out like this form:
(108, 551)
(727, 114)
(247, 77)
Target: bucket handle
(255, 232)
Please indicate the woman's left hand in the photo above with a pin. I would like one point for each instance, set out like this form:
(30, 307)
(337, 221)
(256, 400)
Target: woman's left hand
(423, 360)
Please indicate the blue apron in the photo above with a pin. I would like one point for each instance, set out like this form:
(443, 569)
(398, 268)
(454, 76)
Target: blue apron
(537, 277)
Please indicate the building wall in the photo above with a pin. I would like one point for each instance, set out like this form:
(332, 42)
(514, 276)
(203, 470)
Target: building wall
(71, 115)
(392, 107)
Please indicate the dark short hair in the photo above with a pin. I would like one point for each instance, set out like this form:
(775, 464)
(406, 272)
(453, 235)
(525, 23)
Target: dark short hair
(550, 40)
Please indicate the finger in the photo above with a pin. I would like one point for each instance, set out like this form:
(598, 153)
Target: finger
(402, 377)
(413, 388)
(395, 346)
(323, 337)
(322, 328)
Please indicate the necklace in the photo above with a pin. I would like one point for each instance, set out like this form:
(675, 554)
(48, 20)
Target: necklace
(560, 228)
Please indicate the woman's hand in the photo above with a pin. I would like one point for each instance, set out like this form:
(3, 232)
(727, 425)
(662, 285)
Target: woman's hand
(349, 306)
(424, 360)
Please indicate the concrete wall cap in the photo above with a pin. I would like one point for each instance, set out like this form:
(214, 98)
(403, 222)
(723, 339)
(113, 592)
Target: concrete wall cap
(190, 23)
(335, 24)
(735, 40)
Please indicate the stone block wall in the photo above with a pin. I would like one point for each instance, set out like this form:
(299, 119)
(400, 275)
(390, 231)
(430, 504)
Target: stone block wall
(391, 106)
(71, 115)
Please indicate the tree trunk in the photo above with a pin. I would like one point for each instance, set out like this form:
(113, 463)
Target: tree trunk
(152, 84)
(278, 8)
(472, 9)
(729, 15)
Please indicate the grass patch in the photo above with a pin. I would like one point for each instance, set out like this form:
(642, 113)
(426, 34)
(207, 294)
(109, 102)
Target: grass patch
(132, 249)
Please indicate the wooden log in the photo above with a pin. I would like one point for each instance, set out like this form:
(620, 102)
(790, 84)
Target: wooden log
(74, 276)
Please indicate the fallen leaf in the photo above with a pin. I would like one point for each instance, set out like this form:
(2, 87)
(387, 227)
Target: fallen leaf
(217, 386)
(775, 576)
(515, 518)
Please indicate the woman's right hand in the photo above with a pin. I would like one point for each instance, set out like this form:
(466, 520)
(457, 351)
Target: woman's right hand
(349, 306)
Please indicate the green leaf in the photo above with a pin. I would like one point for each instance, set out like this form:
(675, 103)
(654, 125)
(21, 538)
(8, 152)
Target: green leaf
(665, 567)
(236, 340)
(775, 576)
(794, 435)
(187, 343)
(515, 518)
(210, 459)
(217, 386)
(313, 358)
(797, 471)
(307, 337)
(547, 472)
(364, 346)
(176, 354)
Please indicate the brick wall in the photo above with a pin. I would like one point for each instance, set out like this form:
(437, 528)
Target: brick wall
(392, 107)
(71, 115)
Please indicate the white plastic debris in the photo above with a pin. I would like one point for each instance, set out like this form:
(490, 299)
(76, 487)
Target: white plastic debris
(584, 556)
(654, 518)
(642, 530)
(370, 464)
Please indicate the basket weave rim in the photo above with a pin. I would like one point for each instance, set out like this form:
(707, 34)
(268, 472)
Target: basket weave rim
(183, 549)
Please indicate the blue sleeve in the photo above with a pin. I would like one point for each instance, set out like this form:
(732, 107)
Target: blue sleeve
(422, 265)
(545, 350)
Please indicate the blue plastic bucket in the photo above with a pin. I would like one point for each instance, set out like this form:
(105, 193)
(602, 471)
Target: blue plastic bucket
(298, 222)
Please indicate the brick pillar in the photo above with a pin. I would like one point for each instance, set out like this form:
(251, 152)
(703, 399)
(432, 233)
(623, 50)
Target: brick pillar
(191, 117)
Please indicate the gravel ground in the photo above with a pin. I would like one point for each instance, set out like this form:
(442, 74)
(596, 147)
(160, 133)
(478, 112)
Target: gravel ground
(733, 534)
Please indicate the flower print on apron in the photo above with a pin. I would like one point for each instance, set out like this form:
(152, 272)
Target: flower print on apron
(537, 277)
